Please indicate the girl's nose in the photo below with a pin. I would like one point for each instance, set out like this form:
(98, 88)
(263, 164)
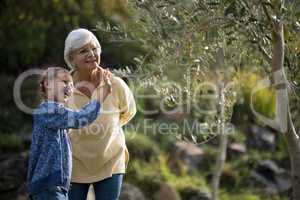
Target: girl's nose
(68, 89)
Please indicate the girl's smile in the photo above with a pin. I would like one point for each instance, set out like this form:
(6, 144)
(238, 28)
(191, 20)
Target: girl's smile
(60, 88)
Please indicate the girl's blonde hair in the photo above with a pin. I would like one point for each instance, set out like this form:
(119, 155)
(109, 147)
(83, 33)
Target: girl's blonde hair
(49, 74)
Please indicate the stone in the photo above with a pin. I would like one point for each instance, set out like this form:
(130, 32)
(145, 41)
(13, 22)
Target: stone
(188, 153)
(260, 138)
(275, 179)
(131, 192)
(236, 149)
(167, 192)
(200, 195)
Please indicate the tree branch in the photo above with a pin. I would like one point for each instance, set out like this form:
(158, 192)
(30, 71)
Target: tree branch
(265, 9)
(267, 57)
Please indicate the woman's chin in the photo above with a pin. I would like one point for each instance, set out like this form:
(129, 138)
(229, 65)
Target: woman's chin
(91, 67)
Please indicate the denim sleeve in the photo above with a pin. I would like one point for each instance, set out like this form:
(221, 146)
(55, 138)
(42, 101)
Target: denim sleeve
(61, 117)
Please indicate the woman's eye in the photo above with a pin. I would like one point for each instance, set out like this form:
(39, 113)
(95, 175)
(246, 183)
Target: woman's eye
(83, 51)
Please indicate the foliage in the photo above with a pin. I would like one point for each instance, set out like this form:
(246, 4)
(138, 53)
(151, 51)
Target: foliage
(150, 175)
(141, 147)
(247, 195)
(146, 175)
(13, 120)
(183, 182)
(235, 180)
(183, 42)
(263, 101)
(33, 33)
(205, 40)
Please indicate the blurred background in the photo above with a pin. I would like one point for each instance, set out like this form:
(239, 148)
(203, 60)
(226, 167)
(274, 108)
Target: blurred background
(152, 44)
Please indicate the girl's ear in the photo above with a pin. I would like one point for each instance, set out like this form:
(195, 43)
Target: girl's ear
(45, 84)
(44, 87)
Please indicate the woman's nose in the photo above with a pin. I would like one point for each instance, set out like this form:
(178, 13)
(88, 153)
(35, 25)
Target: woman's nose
(91, 53)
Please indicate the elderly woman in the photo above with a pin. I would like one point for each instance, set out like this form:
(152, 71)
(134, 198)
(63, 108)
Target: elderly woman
(100, 155)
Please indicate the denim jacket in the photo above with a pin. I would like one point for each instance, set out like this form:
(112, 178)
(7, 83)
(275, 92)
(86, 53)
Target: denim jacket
(50, 156)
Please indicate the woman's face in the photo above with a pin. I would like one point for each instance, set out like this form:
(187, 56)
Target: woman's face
(86, 58)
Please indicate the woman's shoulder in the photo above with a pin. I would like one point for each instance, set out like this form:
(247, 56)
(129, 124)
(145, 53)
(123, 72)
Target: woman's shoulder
(118, 82)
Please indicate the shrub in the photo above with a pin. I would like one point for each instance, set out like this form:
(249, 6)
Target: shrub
(141, 147)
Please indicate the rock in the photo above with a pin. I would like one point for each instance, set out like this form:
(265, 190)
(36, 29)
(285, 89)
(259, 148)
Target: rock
(275, 179)
(167, 192)
(188, 153)
(131, 192)
(236, 149)
(260, 138)
(197, 195)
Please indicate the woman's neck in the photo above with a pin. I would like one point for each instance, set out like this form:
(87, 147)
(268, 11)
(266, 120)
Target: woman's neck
(78, 77)
(82, 82)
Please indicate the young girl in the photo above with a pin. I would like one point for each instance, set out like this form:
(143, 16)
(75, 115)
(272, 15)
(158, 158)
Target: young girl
(50, 158)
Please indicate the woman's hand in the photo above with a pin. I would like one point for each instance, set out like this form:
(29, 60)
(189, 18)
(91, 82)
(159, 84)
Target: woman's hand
(98, 75)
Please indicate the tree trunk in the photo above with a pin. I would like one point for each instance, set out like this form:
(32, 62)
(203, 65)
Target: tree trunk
(221, 157)
(282, 102)
(292, 140)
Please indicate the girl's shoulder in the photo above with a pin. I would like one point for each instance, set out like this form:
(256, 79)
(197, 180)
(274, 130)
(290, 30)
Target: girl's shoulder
(47, 107)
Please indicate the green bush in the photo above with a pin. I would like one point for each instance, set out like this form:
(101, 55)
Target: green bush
(186, 184)
(263, 100)
(150, 175)
(141, 147)
(247, 195)
(145, 175)
(243, 196)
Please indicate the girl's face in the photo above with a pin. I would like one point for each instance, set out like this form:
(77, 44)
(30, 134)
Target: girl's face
(59, 89)
(86, 58)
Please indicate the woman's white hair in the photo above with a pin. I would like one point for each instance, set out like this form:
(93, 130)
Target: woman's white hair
(75, 40)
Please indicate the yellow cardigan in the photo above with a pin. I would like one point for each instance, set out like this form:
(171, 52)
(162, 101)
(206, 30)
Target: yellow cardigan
(99, 150)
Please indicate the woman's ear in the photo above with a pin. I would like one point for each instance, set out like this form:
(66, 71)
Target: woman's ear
(71, 60)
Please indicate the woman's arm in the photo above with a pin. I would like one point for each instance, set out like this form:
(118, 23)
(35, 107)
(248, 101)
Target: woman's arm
(126, 101)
